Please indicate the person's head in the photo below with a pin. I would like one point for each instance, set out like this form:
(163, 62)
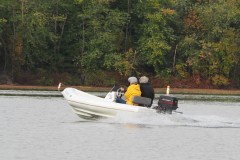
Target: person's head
(132, 80)
(143, 79)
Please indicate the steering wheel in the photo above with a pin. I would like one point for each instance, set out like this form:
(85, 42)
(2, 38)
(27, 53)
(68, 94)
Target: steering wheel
(120, 92)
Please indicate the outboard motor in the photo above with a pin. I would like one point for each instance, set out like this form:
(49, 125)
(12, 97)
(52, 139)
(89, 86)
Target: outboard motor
(166, 104)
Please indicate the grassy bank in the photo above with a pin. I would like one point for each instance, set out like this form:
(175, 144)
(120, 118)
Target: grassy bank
(106, 89)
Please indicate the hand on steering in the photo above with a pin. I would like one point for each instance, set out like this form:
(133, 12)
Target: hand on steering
(123, 89)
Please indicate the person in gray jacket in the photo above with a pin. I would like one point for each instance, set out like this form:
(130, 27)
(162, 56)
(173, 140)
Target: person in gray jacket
(146, 88)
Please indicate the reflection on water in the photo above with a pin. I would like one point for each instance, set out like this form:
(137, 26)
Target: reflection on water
(30, 93)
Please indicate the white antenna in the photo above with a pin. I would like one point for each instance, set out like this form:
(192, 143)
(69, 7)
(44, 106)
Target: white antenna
(59, 86)
(168, 90)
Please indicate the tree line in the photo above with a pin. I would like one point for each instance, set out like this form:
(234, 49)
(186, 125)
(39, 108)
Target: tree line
(86, 41)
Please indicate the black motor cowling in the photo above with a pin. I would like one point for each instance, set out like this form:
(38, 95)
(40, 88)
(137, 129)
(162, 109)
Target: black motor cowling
(166, 104)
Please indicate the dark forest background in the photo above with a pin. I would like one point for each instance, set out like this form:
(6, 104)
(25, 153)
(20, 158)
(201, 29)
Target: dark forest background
(184, 43)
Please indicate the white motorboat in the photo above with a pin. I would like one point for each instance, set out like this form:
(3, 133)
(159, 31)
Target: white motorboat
(90, 106)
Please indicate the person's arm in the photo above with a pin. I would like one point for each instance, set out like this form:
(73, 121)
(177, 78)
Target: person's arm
(127, 93)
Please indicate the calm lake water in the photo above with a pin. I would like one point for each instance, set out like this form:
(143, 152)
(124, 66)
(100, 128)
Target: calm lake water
(37, 128)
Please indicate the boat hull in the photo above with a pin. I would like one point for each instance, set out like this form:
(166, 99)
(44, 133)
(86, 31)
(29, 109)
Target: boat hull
(91, 111)
(89, 106)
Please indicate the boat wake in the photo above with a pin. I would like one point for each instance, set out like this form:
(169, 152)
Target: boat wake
(175, 120)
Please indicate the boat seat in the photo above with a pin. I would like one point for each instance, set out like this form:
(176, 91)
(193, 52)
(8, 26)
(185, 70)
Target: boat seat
(142, 101)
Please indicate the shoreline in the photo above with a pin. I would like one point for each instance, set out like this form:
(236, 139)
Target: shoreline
(106, 89)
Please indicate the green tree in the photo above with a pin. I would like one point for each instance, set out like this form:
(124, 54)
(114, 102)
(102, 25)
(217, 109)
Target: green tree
(100, 34)
(3, 50)
(154, 34)
(208, 31)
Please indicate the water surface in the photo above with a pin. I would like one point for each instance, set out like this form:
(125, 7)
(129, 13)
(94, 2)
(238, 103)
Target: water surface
(46, 128)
